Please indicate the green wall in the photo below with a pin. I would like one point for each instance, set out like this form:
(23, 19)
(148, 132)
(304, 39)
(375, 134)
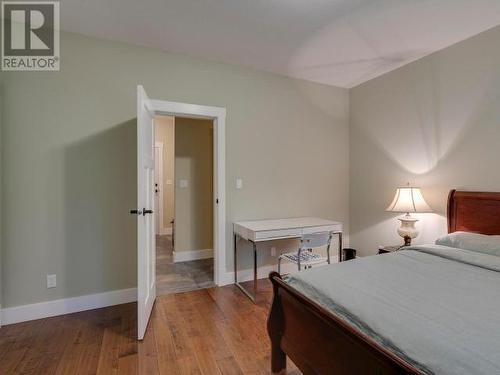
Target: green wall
(69, 163)
(194, 204)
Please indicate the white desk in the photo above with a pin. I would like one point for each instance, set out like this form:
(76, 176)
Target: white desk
(277, 229)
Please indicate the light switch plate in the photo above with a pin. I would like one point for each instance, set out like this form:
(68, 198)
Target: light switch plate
(51, 281)
(239, 183)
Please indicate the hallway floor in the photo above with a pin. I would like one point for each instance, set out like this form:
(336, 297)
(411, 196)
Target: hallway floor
(183, 276)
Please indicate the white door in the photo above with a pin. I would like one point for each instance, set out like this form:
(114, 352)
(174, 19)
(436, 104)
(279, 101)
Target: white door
(146, 246)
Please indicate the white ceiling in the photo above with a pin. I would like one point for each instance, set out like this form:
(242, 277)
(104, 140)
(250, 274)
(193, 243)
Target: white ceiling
(336, 42)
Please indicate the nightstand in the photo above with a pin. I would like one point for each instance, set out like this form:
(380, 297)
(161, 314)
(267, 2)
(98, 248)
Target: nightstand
(389, 249)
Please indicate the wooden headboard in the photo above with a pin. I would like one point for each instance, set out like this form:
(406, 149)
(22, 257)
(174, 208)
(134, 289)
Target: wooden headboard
(472, 211)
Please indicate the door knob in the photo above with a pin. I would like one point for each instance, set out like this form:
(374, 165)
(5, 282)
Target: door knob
(142, 212)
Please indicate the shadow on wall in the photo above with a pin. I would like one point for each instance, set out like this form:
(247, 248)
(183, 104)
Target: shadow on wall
(100, 174)
(426, 120)
(373, 184)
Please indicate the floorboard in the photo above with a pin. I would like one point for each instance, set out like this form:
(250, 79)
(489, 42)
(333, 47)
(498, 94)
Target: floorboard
(215, 331)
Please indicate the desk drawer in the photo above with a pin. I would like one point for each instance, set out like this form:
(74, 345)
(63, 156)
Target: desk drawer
(323, 228)
(281, 233)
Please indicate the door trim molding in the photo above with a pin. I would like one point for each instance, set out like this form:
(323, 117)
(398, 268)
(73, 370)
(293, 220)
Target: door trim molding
(218, 115)
(159, 175)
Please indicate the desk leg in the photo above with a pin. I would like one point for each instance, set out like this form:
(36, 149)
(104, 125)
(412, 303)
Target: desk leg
(254, 270)
(235, 258)
(340, 246)
(241, 287)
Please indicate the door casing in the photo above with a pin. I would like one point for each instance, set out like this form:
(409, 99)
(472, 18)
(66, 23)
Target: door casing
(159, 205)
(218, 116)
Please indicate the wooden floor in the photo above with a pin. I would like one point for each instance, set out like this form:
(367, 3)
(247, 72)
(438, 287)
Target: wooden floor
(210, 331)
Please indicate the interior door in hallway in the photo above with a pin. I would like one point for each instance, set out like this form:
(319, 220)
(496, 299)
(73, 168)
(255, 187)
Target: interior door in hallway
(146, 241)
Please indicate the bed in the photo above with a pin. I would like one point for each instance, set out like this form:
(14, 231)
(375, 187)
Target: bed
(429, 309)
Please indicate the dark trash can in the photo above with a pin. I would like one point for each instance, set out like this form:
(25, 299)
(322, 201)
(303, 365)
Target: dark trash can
(348, 253)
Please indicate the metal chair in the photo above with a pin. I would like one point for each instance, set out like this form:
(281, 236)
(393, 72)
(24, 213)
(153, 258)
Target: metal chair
(305, 256)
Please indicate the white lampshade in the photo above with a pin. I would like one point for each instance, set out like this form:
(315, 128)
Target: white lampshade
(408, 199)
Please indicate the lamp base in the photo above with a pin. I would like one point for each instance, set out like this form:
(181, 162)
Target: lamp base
(407, 229)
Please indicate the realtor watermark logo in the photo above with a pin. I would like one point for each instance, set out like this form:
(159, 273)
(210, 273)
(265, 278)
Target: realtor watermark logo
(30, 35)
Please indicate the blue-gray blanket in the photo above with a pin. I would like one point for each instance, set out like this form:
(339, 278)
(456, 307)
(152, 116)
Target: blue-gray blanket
(434, 306)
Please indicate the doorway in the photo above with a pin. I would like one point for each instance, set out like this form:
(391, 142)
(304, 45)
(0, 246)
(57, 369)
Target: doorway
(184, 206)
(147, 110)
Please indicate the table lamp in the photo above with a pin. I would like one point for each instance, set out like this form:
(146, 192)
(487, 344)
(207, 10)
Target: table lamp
(408, 199)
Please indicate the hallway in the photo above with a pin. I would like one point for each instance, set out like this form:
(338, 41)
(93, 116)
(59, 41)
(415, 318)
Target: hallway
(182, 276)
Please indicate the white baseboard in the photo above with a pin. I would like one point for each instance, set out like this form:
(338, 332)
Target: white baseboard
(184, 256)
(165, 231)
(17, 314)
(262, 272)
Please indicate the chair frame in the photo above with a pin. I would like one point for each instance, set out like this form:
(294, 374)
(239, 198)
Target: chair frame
(303, 248)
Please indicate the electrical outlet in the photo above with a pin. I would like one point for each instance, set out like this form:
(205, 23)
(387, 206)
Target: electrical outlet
(51, 281)
(239, 183)
(273, 251)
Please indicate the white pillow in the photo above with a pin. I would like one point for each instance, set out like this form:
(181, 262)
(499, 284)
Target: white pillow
(480, 243)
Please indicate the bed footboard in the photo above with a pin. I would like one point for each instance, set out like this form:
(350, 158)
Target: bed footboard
(318, 342)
